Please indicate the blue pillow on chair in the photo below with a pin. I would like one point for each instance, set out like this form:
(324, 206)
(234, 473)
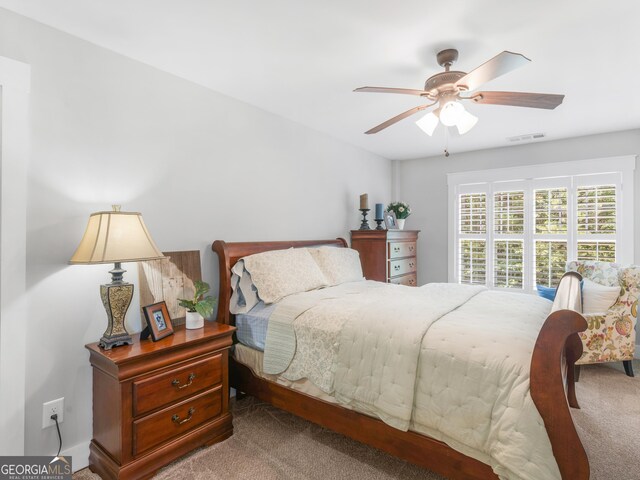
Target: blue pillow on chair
(550, 292)
(546, 292)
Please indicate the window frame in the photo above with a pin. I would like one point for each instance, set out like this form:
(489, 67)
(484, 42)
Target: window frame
(618, 171)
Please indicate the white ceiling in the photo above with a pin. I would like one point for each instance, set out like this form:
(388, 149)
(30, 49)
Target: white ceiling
(302, 59)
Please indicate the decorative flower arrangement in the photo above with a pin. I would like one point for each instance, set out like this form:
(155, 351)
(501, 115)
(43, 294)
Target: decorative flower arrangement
(401, 209)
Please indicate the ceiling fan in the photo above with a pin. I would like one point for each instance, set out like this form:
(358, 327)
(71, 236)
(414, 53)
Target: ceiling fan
(446, 89)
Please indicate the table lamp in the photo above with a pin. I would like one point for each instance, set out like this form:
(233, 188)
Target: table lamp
(115, 237)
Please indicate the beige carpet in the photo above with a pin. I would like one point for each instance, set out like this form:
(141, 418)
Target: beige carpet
(270, 444)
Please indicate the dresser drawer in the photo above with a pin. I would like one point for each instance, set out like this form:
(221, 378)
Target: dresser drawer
(169, 387)
(176, 420)
(402, 249)
(402, 267)
(410, 280)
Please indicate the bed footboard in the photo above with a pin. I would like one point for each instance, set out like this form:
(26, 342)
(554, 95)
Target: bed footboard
(552, 377)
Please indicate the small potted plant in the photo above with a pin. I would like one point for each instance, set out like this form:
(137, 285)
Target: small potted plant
(402, 211)
(199, 306)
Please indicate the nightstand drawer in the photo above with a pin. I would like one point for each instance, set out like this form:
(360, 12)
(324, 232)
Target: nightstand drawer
(402, 267)
(176, 420)
(402, 249)
(169, 387)
(410, 280)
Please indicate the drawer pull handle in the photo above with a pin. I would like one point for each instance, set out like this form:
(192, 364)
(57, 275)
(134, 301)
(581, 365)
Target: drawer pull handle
(176, 418)
(396, 267)
(411, 265)
(411, 248)
(396, 249)
(176, 382)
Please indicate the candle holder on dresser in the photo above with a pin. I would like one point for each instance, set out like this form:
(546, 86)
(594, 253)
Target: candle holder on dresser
(379, 218)
(364, 225)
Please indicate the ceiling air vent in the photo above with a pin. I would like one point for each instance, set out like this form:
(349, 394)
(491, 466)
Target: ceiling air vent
(526, 138)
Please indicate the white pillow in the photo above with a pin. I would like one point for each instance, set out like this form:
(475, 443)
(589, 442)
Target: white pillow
(596, 298)
(245, 294)
(279, 273)
(338, 265)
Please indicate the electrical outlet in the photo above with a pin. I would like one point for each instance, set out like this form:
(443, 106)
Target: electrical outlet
(50, 408)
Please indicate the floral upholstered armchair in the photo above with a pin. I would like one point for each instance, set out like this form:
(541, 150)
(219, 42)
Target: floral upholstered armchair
(611, 337)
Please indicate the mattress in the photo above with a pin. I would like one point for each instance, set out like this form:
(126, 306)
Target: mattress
(252, 326)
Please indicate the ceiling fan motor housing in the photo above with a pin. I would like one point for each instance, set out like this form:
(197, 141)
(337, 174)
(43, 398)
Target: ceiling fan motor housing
(444, 82)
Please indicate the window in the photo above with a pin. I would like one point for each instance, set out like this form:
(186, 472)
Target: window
(517, 227)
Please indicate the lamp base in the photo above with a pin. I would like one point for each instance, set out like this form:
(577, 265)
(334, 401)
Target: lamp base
(115, 341)
(116, 298)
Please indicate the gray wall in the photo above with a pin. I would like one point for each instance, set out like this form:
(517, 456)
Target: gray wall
(423, 184)
(200, 166)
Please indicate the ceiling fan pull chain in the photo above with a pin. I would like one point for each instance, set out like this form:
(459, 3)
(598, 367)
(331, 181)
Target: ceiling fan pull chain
(446, 141)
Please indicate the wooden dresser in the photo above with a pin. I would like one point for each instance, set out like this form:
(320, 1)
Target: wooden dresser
(154, 402)
(388, 255)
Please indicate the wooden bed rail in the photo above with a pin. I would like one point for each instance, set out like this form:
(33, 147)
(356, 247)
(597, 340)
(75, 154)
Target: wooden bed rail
(552, 376)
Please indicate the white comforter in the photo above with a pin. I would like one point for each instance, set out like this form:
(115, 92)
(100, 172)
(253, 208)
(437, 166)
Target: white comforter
(447, 360)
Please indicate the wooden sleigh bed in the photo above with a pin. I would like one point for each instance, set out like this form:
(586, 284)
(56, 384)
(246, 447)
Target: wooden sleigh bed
(551, 384)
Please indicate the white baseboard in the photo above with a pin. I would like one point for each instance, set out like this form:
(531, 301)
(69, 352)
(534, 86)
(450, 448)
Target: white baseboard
(79, 455)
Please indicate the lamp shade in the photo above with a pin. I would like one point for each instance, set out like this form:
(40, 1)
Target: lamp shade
(113, 237)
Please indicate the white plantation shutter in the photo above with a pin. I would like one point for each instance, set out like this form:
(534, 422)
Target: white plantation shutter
(508, 263)
(473, 213)
(517, 234)
(551, 258)
(550, 233)
(596, 220)
(597, 210)
(508, 234)
(600, 251)
(473, 262)
(550, 210)
(472, 246)
(508, 212)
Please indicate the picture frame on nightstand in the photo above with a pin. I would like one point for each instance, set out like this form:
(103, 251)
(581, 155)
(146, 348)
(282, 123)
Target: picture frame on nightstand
(390, 220)
(158, 321)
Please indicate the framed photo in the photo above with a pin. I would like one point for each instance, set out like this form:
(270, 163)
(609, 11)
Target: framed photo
(390, 220)
(158, 320)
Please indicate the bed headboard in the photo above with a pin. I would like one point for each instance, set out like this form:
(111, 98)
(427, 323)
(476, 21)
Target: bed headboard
(230, 253)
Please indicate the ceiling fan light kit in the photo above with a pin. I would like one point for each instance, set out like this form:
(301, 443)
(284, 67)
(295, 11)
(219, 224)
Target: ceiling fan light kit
(466, 122)
(444, 89)
(450, 113)
(428, 123)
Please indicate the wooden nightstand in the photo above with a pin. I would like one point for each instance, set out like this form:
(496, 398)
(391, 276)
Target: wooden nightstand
(154, 402)
(388, 255)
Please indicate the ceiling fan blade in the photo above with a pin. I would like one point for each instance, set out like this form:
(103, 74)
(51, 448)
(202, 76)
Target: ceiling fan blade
(499, 65)
(396, 119)
(519, 99)
(404, 91)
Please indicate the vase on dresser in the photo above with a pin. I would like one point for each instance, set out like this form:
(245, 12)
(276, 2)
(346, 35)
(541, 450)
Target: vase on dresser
(400, 222)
